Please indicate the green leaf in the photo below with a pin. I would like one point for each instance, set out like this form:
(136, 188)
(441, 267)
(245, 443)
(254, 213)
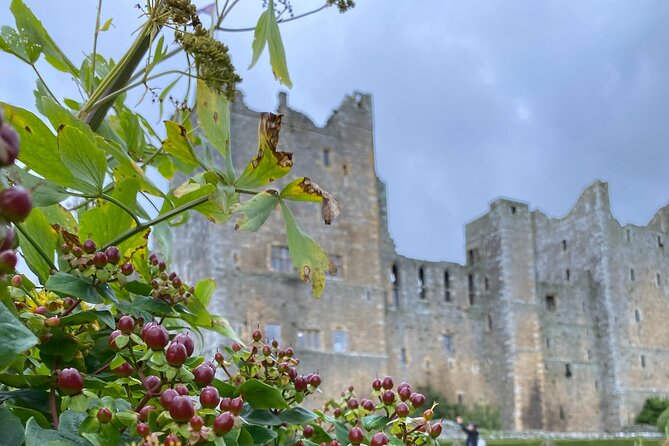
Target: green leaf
(267, 31)
(213, 113)
(35, 32)
(261, 396)
(38, 227)
(245, 438)
(260, 417)
(231, 437)
(224, 388)
(36, 436)
(69, 285)
(126, 166)
(303, 189)
(19, 45)
(261, 435)
(69, 422)
(24, 381)
(39, 147)
(11, 428)
(162, 240)
(269, 163)
(59, 116)
(204, 290)
(297, 415)
(16, 338)
(308, 257)
(43, 192)
(84, 317)
(178, 145)
(374, 422)
(82, 157)
(254, 212)
(105, 26)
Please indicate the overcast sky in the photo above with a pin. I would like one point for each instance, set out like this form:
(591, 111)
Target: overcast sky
(473, 100)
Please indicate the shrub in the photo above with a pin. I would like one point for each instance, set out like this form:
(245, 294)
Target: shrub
(652, 409)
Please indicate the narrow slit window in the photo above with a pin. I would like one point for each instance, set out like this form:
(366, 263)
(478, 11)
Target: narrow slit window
(403, 354)
(562, 414)
(326, 157)
(658, 279)
(472, 290)
(564, 245)
(567, 274)
(637, 316)
(489, 322)
(421, 283)
(551, 302)
(567, 371)
(486, 283)
(642, 359)
(447, 286)
(395, 280)
(632, 274)
(513, 209)
(628, 235)
(660, 243)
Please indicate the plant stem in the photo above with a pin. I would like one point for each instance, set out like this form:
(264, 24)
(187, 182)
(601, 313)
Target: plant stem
(236, 30)
(69, 310)
(95, 38)
(35, 245)
(122, 206)
(52, 396)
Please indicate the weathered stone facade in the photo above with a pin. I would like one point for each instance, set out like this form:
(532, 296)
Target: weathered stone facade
(560, 323)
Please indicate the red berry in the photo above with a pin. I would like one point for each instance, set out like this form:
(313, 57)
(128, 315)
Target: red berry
(162, 266)
(417, 399)
(368, 405)
(236, 405)
(376, 384)
(172, 440)
(65, 248)
(204, 374)
(404, 393)
(236, 347)
(337, 412)
(387, 383)
(68, 302)
(292, 373)
(77, 252)
(167, 397)
(379, 439)
(225, 404)
(257, 335)
(9, 145)
(435, 430)
(402, 410)
(143, 429)
(17, 281)
(52, 321)
(144, 412)
(224, 423)
(182, 389)
(89, 246)
(315, 380)
(40, 310)
(70, 382)
(100, 260)
(112, 340)
(152, 384)
(356, 435)
(113, 254)
(352, 403)
(300, 383)
(209, 397)
(428, 414)
(181, 409)
(15, 204)
(126, 324)
(266, 350)
(334, 443)
(156, 338)
(196, 423)
(127, 269)
(124, 370)
(187, 341)
(218, 357)
(388, 397)
(289, 352)
(8, 261)
(308, 431)
(176, 354)
(402, 385)
(104, 415)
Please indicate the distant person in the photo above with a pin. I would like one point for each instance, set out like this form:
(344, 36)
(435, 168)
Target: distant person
(470, 430)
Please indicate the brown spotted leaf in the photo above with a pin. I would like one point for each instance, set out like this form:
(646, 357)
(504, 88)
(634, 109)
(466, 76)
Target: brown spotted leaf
(303, 189)
(178, 145)
(213, 113)
(308, 257)
(269, 163)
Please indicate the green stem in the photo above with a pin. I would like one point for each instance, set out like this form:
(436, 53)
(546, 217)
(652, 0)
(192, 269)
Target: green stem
(166, 216)
(53, 96)
(122, 206)
(35, 245)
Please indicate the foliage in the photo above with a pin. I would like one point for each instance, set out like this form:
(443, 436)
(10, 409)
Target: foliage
(99, 343)
(651, 410)
(486, 417)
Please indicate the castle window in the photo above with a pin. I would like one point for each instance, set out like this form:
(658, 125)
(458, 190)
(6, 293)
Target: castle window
(470, 256)
(422, 292)
(447, 341)
(461, 399)
(513, 209)
(596, 385)
(567, 370)
(567, 274)
(562, 414)
(548, 342)
(564, 245)
(340, 341)
(628, 235)
(660, 244)
(403, 354)
(326, 157)
(309, 339)
(551, 302)
(280, 259)
(486, 284)
(632, 274)
(637, 316)
(642, 359)
(447, 286)
(472, 291)
(588, 354)
(345, 169)
(489, 322)
(658, 279)
(395, 280)
(273, 331)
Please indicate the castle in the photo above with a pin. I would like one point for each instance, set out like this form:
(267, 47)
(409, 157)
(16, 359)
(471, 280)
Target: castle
(561, 323)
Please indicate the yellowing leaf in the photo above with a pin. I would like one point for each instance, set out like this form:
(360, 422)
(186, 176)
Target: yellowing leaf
(303, 189)
(213, 113)
(255, 211)
(308, 257)
(269, 163)
(267, 31)
(106, 25)
(178, 145)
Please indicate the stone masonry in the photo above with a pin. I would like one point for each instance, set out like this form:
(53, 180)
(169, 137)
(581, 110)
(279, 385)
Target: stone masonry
(558, 322)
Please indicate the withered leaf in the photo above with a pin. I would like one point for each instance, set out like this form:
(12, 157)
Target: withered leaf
(303, 189)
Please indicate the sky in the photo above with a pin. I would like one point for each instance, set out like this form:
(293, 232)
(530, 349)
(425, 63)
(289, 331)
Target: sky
(473, 100)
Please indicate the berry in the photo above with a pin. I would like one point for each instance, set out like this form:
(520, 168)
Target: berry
(181, 409)
(224, 423)
(70, 381)
(68, 302)
(435, 430)
(113, 254)
(352, 403)
(100, 260)
(112, 340)
(337, 412)
(167, 397)
(308, 431)
(162, 266)
(236, 406)
(187, 341)
(300, 383)
(236, 347)
(428, 414)
(334, 443)
(388, 397)
(387, 383)
(204, 374)
(356, 435)
(126, 324)
(172, 440)
(196, 423)
(404, 393)
(104, 415)
(127, 269)
(315, 380)
(16, 281)
(350, 388)
(368, 405)
(218, 357)
(181, 389)
(40, 310)
(225, 404)
(77, 252)
(124, 370)
(402, 410)
(292, 373)
(417, 399)
(8, 260)
(266, 350)
(143, 429)
(379, 439)
(152, 384)
(52, 321)
(176, 354)
(257, 335)
(9, 145)
(89, 246)
(15, 204)
(376, 384)
(289, 352)
(144, 412)
(156, 338)
(209, 397)
(65, 248)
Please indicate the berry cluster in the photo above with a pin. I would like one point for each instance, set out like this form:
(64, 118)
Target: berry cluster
(165, 286)
(15, 201)
(86, 261)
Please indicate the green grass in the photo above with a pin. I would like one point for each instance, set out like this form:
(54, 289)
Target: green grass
(566, 442)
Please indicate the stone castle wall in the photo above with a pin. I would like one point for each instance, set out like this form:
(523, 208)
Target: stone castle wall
(545, 320)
